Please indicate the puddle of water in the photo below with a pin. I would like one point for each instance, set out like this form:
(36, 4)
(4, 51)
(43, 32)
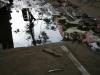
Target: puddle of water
(19, 27)
(19, 38)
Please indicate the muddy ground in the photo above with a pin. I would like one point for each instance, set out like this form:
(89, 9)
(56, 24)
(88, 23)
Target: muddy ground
(33, 61)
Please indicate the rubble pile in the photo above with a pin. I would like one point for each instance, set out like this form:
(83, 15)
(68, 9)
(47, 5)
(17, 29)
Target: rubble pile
(77, 25)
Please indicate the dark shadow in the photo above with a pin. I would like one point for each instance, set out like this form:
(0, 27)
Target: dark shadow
(5, 27)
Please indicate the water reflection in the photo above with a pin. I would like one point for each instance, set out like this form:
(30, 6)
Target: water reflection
(19, 38)
(43, 23)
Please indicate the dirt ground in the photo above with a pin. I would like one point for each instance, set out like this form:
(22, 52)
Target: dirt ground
(33, 61)
(89, 59)
(93, 10)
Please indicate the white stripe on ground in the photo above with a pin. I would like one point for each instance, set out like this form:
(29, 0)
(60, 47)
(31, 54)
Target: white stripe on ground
(75, 61)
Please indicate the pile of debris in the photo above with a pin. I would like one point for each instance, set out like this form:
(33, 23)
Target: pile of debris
(77, 25)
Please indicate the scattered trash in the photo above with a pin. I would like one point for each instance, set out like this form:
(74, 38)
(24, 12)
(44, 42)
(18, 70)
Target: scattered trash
(95, 46)
(55, 70)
